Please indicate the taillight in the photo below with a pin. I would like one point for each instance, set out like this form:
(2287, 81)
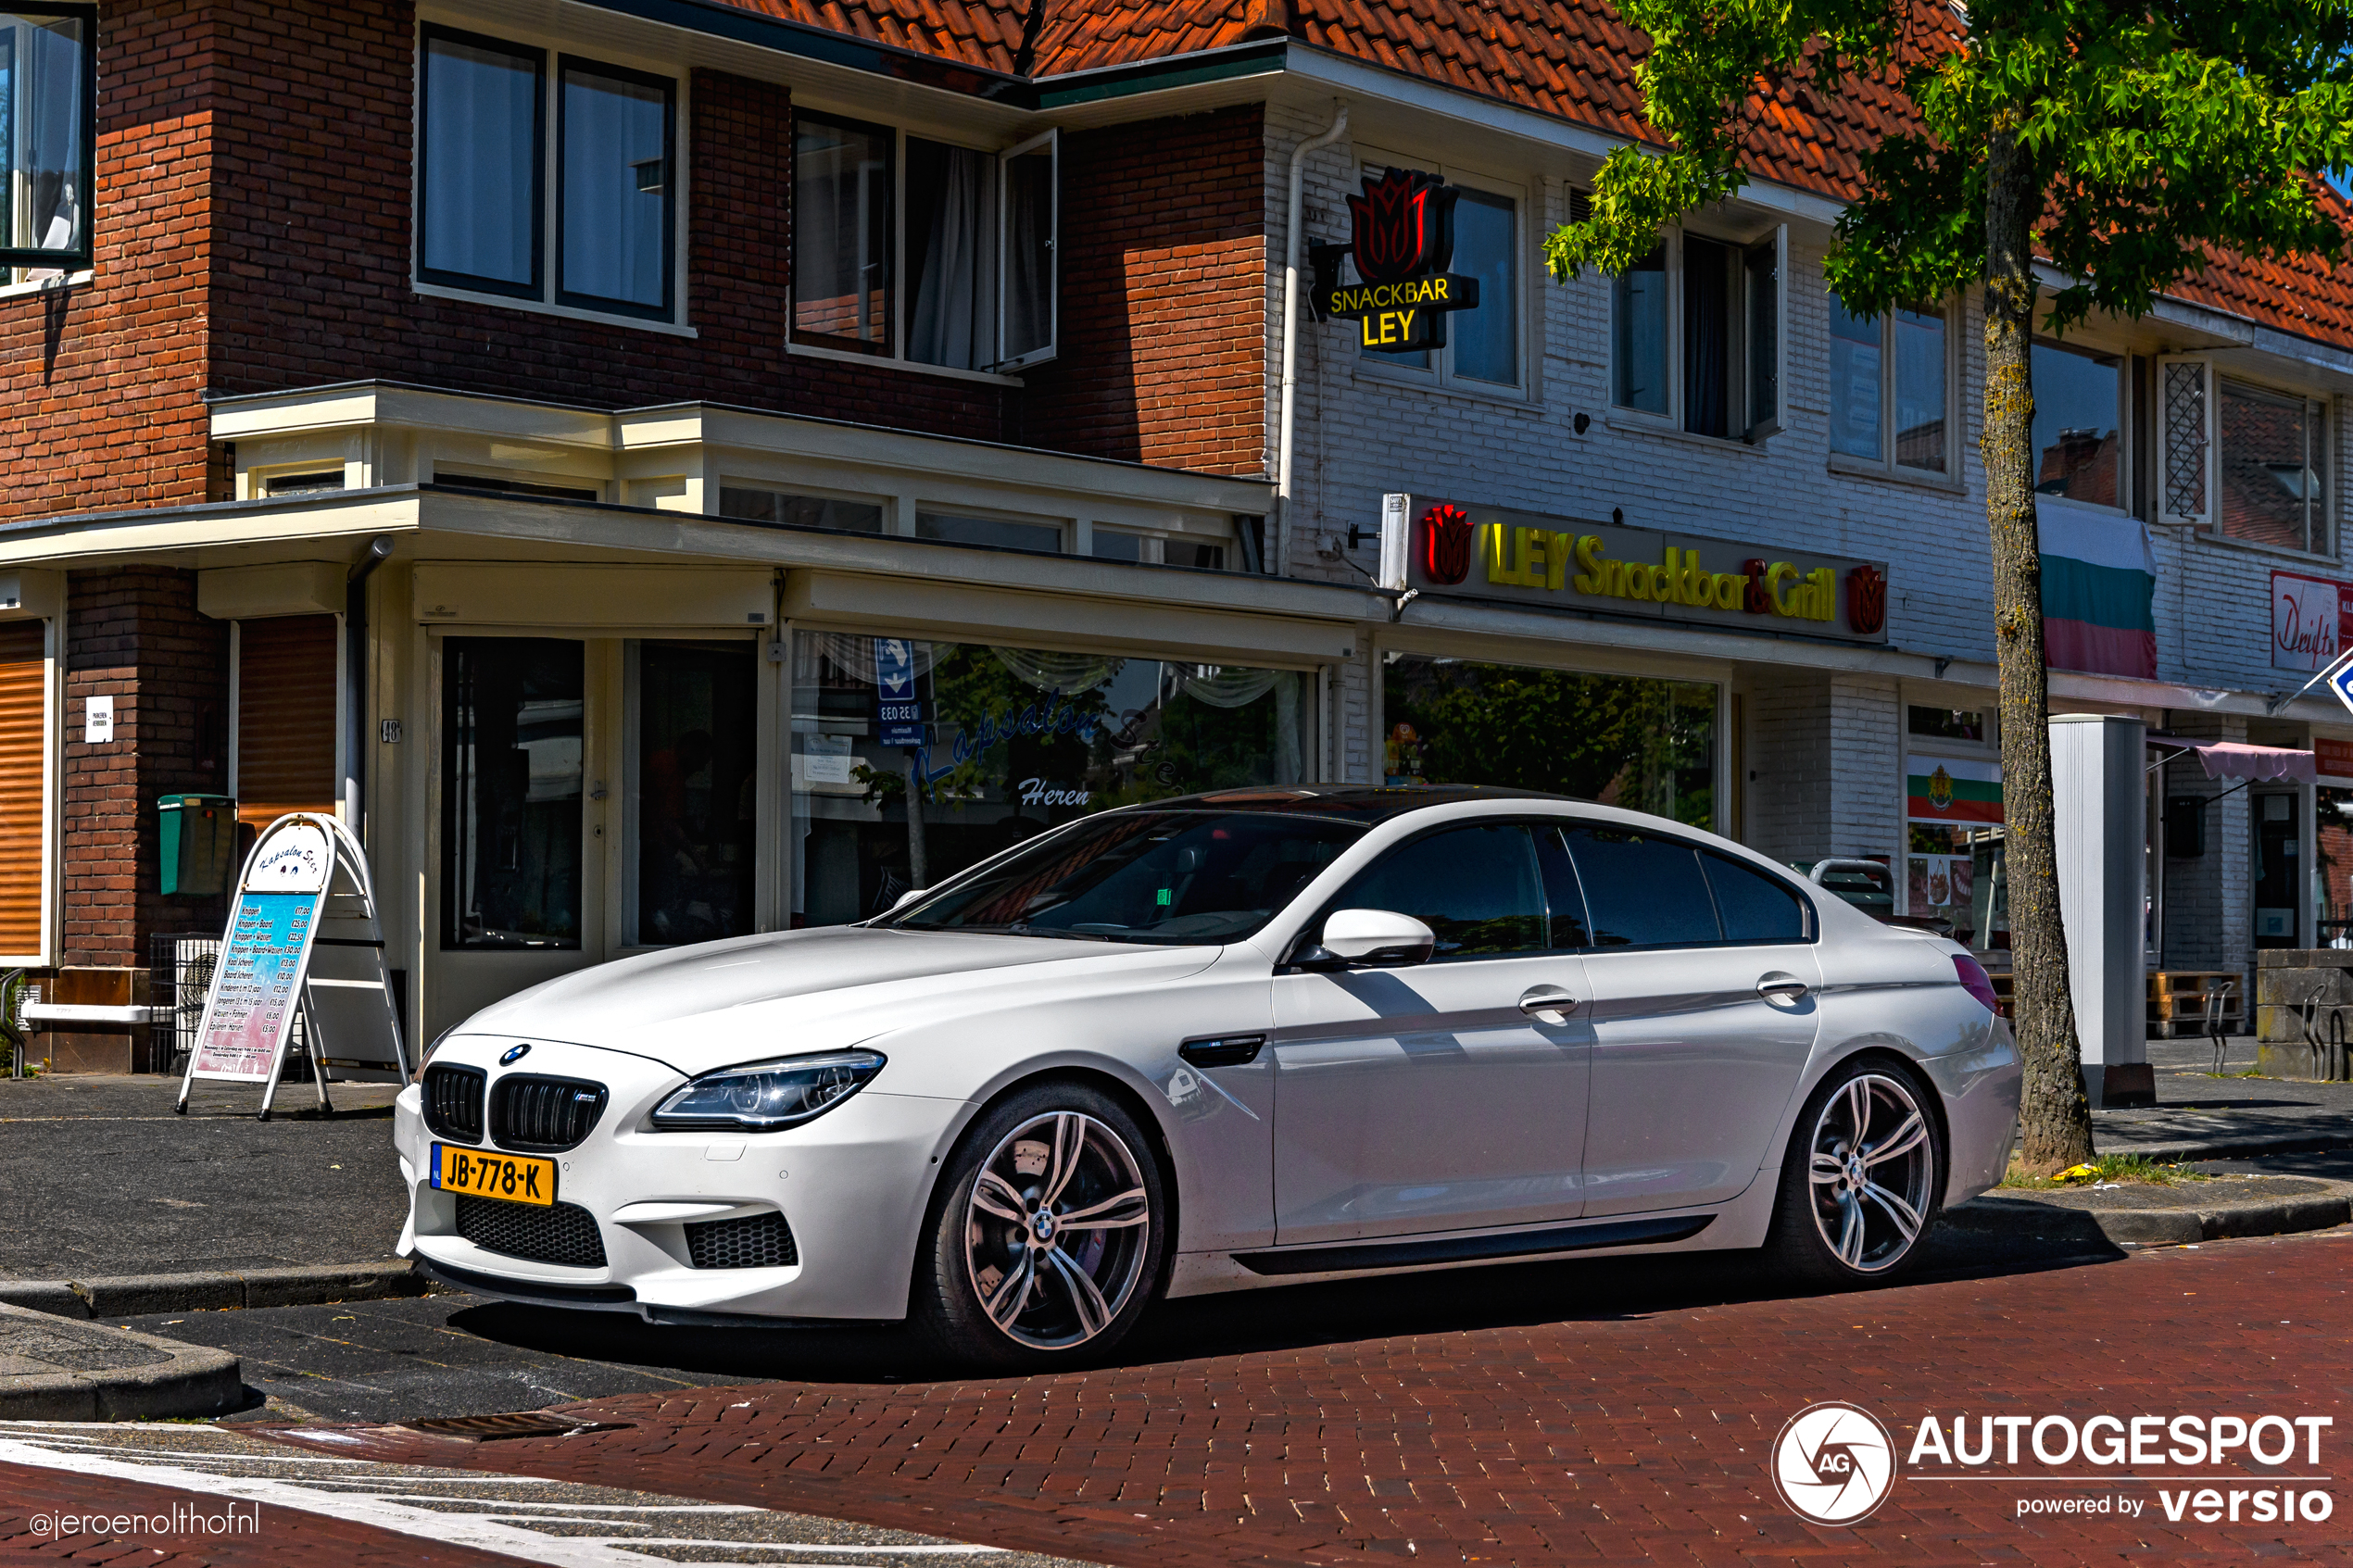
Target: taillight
(1976, 982)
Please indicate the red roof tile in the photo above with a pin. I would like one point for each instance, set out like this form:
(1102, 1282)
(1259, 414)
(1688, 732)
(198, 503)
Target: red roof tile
(1572, 58)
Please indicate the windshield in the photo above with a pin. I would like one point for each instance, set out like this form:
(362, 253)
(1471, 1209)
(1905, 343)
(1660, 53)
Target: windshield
(1143, 876)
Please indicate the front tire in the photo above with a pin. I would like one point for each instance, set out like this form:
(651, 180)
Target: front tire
(1049, 1233)
(1860, 1179)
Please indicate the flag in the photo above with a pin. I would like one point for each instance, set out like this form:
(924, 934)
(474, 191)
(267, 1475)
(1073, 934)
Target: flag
(2099, 578)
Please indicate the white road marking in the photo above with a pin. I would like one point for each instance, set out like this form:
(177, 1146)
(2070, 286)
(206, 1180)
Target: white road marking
(542, 1522)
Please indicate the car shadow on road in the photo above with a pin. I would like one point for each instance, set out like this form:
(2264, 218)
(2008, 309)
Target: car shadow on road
(1293, 1318)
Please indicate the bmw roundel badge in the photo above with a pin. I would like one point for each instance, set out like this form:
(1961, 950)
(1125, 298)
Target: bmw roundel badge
(514, 1056)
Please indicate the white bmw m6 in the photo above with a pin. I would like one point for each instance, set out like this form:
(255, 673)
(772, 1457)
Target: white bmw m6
(1236, 1039)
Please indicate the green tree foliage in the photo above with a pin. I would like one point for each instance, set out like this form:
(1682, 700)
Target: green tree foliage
(2123, 143)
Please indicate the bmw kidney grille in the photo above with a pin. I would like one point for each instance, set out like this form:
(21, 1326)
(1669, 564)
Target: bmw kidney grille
(538, 1115)
(453, 1101)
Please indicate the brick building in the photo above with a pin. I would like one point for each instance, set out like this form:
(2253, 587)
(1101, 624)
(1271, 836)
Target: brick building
(605, 451)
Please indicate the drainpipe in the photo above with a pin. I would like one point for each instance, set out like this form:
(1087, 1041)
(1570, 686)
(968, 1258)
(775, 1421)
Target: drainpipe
(1282, 542)
(355, 675)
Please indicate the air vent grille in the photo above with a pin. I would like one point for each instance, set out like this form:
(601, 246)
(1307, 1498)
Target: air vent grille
(756, 1241)
(543, 1115)
(453, 1101)
(562, 1232)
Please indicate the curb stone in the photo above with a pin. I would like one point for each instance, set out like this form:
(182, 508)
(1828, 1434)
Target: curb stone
(119, 1376)
(2332, 1204)
(2240, 1148)
(299, 1285)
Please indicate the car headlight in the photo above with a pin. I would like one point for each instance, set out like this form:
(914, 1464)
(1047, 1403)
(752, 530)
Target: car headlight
(761, 1096)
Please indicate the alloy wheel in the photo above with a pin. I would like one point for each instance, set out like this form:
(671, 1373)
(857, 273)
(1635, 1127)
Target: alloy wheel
(1872, 1169)
(1058, 1228)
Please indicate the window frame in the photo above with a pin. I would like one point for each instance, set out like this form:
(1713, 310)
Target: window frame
(2127, 446)
(1439, 373)
(82, 256)
(1796, 889)
(560, 189)
(2206, 524)
(1310, 931)
(1885, 466)
(1755, 432)
(998, 371)
(546, 295)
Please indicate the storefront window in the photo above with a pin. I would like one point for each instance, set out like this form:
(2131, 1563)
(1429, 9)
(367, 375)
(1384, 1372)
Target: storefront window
(510, 791)
(911, 761)
(1953, 865)
(693, 762)
(1622, 740)
(2333, 866)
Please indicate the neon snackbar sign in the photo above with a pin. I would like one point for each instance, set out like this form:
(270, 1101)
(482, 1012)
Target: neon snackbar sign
(1402, 239)
(1486, 552)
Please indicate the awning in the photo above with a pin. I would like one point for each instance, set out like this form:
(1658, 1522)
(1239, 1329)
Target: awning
(2236, 759)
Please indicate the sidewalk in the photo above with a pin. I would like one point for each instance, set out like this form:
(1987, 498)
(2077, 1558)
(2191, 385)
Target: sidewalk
(2201, 1117)
(110, 1204)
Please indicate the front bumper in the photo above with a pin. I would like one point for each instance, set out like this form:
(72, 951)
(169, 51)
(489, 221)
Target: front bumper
(852, 1186)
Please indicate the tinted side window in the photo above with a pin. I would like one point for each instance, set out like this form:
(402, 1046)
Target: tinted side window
(1477, 887)
(1644, 891)
(1562, 893)
(1754, 906)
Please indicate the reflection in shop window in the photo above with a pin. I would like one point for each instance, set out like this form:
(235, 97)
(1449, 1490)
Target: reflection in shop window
(511, 791)
(911, 761)
(693, 761)
(1620, 740)
(1000, 532)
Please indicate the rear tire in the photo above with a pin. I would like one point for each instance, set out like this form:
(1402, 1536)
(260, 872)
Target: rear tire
(1047, 1235)
(1860, 1180)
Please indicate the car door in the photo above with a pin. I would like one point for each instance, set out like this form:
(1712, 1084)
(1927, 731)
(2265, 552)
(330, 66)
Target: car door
(1425, 1098)
(1703, 974)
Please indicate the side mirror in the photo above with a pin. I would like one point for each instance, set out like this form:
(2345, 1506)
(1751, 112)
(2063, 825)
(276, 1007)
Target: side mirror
(1371, 939)
(908, 897)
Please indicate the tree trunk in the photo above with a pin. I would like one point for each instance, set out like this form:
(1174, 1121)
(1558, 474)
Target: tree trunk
(2055, 1119)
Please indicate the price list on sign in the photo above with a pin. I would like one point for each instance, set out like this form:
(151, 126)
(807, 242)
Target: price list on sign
(259, 979)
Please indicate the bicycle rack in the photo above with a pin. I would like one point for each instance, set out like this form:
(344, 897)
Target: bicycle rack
(2328, 1055)
(2215, 1034)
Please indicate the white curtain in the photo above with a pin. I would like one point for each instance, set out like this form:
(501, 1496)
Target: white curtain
(615, 189)
(852, 656)
(480, 155)
(1066, 674)
(946, 326)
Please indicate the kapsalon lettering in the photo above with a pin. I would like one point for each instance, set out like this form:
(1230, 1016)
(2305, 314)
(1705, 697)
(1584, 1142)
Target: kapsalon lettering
(1510, 555)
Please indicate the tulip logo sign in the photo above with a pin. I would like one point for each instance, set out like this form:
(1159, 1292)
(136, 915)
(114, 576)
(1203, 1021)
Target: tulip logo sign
(1833, 1463)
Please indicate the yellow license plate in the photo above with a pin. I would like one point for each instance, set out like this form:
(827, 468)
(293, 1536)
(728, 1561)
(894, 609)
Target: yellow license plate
(517, 1178)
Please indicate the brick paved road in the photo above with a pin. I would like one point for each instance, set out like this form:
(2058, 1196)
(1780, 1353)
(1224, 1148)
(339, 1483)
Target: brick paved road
(1534, 1416)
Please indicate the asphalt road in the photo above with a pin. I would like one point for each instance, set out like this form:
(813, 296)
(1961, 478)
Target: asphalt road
(99, 1177)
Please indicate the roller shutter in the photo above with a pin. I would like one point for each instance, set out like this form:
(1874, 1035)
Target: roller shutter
(285, 717)
(23, 763)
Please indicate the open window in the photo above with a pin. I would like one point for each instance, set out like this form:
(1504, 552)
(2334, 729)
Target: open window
(2241, 461)
(923, 251)
(47, 90)
(1696, 336)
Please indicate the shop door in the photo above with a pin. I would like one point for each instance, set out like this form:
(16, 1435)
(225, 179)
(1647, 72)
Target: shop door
(1425, 1098)
(518, 885)
(2277, 855)
(286, 697)
(689, 841)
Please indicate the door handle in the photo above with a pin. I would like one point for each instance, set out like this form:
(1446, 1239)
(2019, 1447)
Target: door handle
(1547, 1004)
(1781, 987)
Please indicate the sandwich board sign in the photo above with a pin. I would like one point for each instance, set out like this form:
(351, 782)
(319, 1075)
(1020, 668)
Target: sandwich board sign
(302, 935)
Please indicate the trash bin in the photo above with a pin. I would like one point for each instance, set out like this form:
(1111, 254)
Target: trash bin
(199, 842)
